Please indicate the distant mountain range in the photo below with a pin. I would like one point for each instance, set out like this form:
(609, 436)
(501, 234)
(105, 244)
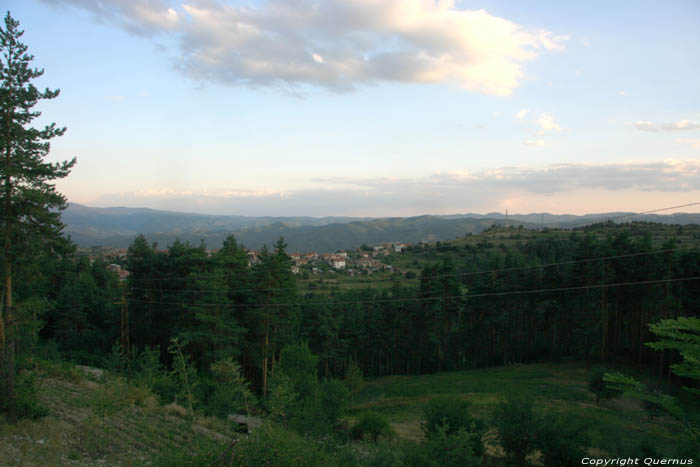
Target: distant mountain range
(118, 226)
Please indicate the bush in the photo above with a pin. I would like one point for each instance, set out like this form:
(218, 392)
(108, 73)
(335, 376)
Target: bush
(451, 414)
(445, 448)
(517, 425)
(353, 377)
(599, 387)
(334, 398)
(298, 363)
(27, 402)
(371, 424)
(562, 441)
(273, 446)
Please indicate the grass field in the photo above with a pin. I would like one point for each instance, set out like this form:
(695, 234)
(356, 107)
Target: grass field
(617, 424)
(91, 422)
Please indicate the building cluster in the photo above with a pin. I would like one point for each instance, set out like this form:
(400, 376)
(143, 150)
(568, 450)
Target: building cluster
(121, 272)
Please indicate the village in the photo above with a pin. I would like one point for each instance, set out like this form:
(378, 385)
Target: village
(363, 260)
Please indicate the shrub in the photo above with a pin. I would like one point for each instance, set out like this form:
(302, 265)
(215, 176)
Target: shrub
(232, 393)
(517, 425)
(451, 414)
(600, 388)
(334, 398)
(298, 363)
(273, 446)
(562, 441)
(445, 448)
(27, 402)
(353, 377)
(371, 424)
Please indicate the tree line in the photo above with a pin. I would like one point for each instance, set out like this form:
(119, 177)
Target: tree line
(474, 306)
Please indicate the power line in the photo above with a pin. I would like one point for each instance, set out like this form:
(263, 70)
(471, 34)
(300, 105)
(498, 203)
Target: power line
(253, 270)
(420, 299)
(439, 276)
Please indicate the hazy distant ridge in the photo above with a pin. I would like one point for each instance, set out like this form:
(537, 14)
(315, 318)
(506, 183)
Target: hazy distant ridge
(118, 226)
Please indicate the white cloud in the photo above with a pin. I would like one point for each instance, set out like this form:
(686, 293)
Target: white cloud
(682, 125)
(692, 141)
(615, 186)
(537, 142)
(621, 92)
(143, 17)
(645, 125)
(673, 126)
(357, 41)
(520, 115)
(547, 123)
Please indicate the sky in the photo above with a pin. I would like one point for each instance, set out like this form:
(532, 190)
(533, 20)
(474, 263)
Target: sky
(372, 107)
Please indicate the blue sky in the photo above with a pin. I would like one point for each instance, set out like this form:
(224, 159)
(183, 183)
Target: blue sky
(372, 107)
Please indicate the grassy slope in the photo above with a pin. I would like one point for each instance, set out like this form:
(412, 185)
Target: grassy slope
(88, 426)
(561, 388)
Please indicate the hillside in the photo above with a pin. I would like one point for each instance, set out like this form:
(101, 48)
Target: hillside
(102, 420)
(117, 227)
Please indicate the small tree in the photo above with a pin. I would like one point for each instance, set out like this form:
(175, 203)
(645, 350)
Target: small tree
(450, 415)
(353, 378)
(184, 372)
(517, 424)
(373, 425)
(29, 203)
(562, 441)
(233, 391)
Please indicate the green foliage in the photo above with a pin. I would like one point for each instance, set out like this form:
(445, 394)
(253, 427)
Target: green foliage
(671, 405)
(200, 451)
(232, 393)
(28, 404)
(372, 425)
(683, 335)
(273, 446)
(184, 373)
(598, 386)
(298, 363)
(353, 377)
(517, 424)
(333, 399)
(282, 397)
(118, 360)
(563, 441)
(445, 448)
(447, 415)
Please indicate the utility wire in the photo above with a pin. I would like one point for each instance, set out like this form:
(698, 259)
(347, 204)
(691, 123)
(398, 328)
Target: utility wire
(428, 249)
(420, 299)
(439, 276)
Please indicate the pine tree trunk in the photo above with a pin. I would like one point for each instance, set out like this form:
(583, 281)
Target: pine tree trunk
(9, 348)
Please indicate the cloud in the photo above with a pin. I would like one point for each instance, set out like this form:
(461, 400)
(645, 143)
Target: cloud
(547, 123)
(653, 182)
(336, 44)
(680, 125)
(520, 115)
(142, 17)
(537, 142)
(622, 92)
(692, 141)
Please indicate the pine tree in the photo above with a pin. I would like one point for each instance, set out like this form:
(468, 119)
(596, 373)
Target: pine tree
(29, 205)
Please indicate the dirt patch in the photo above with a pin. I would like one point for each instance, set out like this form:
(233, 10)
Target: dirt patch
(408, 430)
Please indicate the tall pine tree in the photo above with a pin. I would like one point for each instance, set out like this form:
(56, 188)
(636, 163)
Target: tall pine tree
(29, 205)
